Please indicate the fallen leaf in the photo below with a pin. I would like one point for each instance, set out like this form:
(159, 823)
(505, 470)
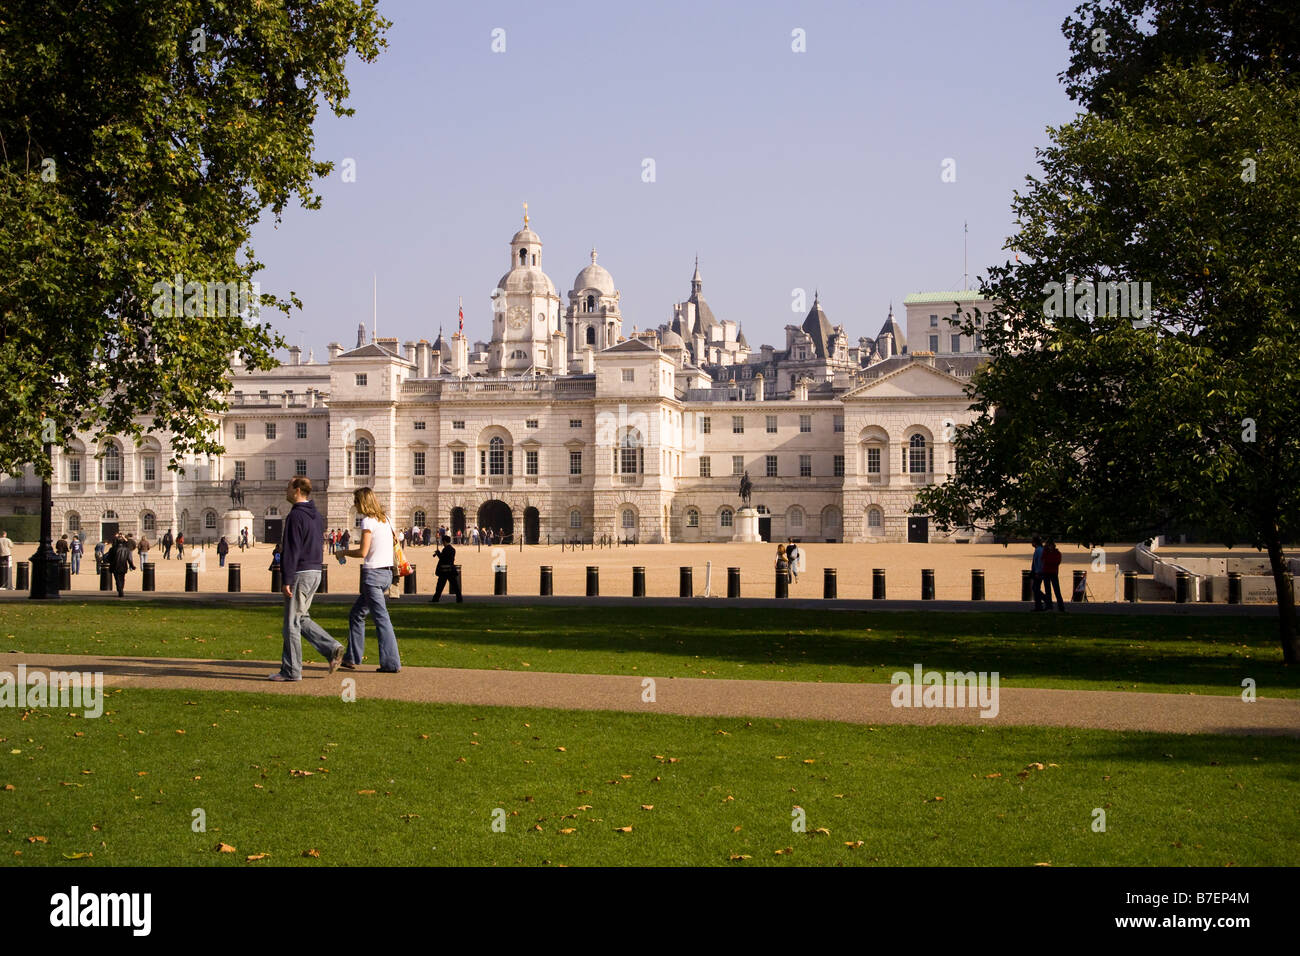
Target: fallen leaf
(255, 857)
(366, 793)
(723, 733)
(822, 830)
(1035, 766)
(9, 786)
(561, 749)
(180, 731)
(37, 839)
(990, 776)
(302, 773)
(537, 826)
(224, 848)
(315, 854)
(735, 829)
(585, 806)
(788, 849)
(626, 829)
(810, 761)
(567, 830)
(740, 856)
(853, 844)
(647, 806)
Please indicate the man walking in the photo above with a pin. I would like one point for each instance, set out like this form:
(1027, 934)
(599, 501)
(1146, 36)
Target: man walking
(75, 550)
(120, 561)
(300, 554)
(1052, 575)
(446, 571)
(6, 559)
(1036, 573)
(167, 544)
(793, 554)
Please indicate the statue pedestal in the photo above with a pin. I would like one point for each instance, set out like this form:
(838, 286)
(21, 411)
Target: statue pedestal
(746, 526)
(234, 521)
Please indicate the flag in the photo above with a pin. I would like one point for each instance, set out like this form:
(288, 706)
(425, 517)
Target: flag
(462, 317)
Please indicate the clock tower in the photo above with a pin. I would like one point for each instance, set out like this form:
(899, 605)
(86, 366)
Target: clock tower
(525, 312)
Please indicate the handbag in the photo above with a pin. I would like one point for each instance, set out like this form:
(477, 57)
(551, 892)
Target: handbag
(400, 563)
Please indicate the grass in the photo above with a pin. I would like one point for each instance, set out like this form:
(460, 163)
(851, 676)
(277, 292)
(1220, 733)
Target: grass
(1141, 652)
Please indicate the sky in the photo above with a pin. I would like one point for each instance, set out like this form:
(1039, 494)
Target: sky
(782, 170)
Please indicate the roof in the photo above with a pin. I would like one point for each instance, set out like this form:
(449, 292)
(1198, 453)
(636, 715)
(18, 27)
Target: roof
(943, 298)
(818, 328)
(370, 350)
(632, 345)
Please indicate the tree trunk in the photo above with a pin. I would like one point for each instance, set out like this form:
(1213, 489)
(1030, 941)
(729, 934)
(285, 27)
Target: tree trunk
(1285, 597)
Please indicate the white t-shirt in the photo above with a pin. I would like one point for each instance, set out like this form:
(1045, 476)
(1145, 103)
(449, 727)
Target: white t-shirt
(381, 543)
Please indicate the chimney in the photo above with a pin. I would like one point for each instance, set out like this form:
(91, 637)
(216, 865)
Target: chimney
(335, 350)
(295, 355)
(758, 387)
(801, 388)
(408, 353)
(311, 398)
(588, 361)
(460, 354)
(559, 357)
(422, 358)
(287, 398)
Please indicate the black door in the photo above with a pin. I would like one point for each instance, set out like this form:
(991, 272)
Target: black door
(457, 520)
(532, 525)
(271, 533)
(107, 530)
(918, 530)
(765, 527)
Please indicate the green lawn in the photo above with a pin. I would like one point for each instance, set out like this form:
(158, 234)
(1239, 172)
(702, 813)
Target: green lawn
(1140, 652)
(394, 783)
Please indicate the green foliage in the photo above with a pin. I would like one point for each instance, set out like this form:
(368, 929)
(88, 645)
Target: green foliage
(139, 142)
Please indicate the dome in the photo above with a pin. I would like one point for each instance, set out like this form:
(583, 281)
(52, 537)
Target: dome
(671, 340)
(594, 277)
(529, 280)
(526, 235)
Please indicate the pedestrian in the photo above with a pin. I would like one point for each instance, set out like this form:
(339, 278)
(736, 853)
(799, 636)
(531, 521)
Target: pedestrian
(142, 549)
(100, 550)
(794, 555)
(276, 559)
(167, 544)
(329, 541)
(782, 561)
(1036, 573)
(223, 549)
(61, 546)
(119, 559)
(346, 540)
(180, 546)
(74, 554)
(446, 571)
(6, 559)
(1052, 574)
(300, 540)
(376, 550)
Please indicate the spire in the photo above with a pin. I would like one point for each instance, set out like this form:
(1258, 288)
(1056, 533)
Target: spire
(361, 334)
(525, 215)
(816, 298)
(696, 282)
(593, 255)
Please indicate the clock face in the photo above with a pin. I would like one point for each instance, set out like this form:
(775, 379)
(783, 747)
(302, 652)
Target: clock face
(518, 317)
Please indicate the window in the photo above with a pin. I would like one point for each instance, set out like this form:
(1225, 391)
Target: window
(361, 458)
(916, 458)
(737, 464)
(692, 518)
(591, 303)
(875, 520)
(519, 354)
(575, 422)
(300, 467)
(805, 423)
(724, 517)
(771, 424)
(934, 343)
(239, 470)
(458, 425)
(706, 467)
(934, 321)
(771, 466)
(575, 518)
(419, 427)
(530, 462)
(300, 429)
(497, 456)
(361, 379)
(531, 423)
(706, 425)
(956, 343)
(241, 431)
(737, 424)
(458, 463)
(979, 342)
(148, 523)
(149, 468)
(74, 471)
(418, 519)
(575, 462)
(838, 466)
(873, 461)
(805, 466)
(272, 511)
(210, 520)
(264, 395)
(630, 456)
(112, 464)
(270, 429)
(417, 466)
(268, 467)
(839, 424)
(629, 375)
(591, 336)
(629, 519)
(72, 521)
(795, 518)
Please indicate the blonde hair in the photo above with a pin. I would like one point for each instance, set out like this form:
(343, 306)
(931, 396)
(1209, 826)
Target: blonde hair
(368, 505)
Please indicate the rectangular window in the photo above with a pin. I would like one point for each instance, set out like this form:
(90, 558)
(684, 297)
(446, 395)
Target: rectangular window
(300, 467)
(873, 461)
(361, 379)
(737, 464)
(805, 423)
(629, 375)
(575, 462)
(839, 466)
(706, 467)
(458, 425)
(979, 342)
(74, 471)
(934, 321)
(839, 423)
(956, 343)
(458, 463)
(737, 424)
(150, 468)
(270, 429)
(805, 466)
(771, 424)
(575, 422)
(531, 423)
(706, 425)
(575, 519)
(419, 427)
(268, 467)
(241, 430)
(530, 462)
(934, 343)
(301, 429)
(771, 466)
(240, 470)
(418, 465)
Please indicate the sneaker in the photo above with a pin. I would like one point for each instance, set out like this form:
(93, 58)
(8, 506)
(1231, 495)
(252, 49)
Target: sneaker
(281, 679)
(336, 659)
(348, 666)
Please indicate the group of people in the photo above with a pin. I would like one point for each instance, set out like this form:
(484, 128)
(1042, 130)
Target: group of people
(1045, 572)
(338, 539)
(789, 558)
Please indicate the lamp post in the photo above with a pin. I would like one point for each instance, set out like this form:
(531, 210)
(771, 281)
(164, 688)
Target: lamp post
(45, 562)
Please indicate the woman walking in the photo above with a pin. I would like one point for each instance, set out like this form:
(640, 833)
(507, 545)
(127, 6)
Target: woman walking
(376, 551)
(223, 549)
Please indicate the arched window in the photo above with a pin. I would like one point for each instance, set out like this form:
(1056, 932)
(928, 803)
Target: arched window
(692, 518)
(417, 519)
(210, 520)
(875, 521)
(72, 522)
(830, 519)
(794, 517)
(361, 458)
(724, 517)
(591, 335)
(629, 519)
(630, 453)
(916, 457)
(575, 518)
(591, 303)
(497, 456)
(523, 257)
(109, 515)
(148, 523)
(112, 463)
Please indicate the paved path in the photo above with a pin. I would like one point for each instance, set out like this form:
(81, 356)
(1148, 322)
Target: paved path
(850, 703)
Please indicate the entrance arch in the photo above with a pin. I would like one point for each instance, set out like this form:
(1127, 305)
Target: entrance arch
(532, 526)
(496, 514)
(458, 520)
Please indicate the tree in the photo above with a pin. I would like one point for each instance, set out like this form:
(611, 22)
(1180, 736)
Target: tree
(1100, 424)
(139, 144)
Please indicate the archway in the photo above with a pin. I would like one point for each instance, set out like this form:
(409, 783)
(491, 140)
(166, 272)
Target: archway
(532, 526)
(496, 514)
(458, 520)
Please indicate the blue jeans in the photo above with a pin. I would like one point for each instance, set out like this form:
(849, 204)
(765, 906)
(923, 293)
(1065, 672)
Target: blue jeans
(76, 562)
(374, 582)
(299, 625)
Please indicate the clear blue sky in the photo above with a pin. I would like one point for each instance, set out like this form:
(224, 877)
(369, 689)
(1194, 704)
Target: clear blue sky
(780, 169)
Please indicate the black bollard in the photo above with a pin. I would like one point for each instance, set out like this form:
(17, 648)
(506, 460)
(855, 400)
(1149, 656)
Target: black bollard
(277, 580)
(638, 582)
(1182, 587)
(1026, 585)
(593, 581)
(65, 576)
(782, 579)
(1234, 587)
(877, 584)
(1080, 586)
(546, 586)
(232, 577)
(147, 579)
(733, 582)
(686, 585)
(23, 579)
(459, 593)
(927, 584)
(976, 584)
(409, 583)
(499, 581)
(191, 577)
(324, 579)
(105, 577)
(1130, 586)
(830, 587)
